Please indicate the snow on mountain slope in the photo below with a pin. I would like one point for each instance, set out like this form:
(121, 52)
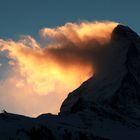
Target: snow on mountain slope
(105, 107)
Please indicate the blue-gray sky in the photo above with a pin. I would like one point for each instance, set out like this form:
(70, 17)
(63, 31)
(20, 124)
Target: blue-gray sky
(29, 16)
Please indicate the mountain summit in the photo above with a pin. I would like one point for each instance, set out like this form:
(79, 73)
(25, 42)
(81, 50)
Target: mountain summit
(116, 85)
(105, 107)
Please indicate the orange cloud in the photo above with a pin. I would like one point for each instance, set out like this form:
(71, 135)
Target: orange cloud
(66, 60)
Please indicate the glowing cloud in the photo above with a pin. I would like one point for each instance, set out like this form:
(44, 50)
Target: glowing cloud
(65, 62)
(59, 66)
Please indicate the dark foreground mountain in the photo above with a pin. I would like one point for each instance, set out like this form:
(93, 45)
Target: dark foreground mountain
(105, 107)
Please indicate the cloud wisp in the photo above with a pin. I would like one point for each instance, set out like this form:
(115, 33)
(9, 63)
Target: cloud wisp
(62, 63)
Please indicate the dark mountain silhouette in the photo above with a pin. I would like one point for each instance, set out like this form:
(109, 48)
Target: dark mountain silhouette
(105, 107)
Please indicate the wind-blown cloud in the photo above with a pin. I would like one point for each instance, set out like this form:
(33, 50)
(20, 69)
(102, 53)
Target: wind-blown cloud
(66, 60)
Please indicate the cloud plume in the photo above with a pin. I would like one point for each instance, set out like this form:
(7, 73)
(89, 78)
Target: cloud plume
(61, 63)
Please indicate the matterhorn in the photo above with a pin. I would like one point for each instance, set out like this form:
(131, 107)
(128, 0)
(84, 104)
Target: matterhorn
(105, 107)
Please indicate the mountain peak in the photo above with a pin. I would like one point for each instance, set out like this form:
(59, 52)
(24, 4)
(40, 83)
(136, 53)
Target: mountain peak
(105, 107)
(112, 83)
(122, 28)
(124, 31)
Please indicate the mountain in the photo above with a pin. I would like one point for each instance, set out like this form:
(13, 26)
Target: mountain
(105, 107)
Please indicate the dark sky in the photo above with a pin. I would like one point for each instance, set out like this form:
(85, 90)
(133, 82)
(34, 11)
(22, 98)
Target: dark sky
(29, 16)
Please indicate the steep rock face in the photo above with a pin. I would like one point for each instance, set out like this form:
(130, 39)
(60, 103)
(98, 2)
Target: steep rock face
(117, 85)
